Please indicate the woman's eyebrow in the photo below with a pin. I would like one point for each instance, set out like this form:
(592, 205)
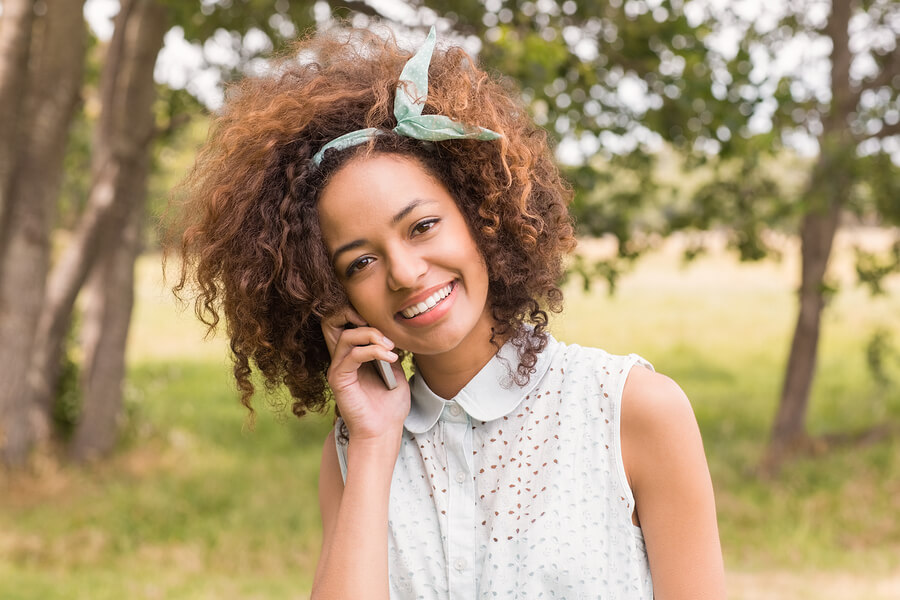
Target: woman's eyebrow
(408, 209)
(346, 248)
(394, 220)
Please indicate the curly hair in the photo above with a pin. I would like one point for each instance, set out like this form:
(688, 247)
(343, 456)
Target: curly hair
(250, 243)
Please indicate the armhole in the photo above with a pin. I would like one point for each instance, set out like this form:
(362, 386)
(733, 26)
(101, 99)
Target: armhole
(341, 448)
(627, 364)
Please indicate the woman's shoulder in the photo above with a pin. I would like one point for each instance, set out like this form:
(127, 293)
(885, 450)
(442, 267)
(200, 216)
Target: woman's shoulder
(653, 401)
(657, 424)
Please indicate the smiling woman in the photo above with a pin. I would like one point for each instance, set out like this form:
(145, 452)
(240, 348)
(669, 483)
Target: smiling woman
(367, 205)
(252, 237)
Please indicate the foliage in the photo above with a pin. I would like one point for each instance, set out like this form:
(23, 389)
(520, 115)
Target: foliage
(616, 81)
(879, 354)
(872, 268)
(278, 21)
(77, 174)
(68, 400)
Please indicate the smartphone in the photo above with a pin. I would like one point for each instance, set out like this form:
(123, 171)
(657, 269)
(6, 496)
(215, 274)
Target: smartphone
(386, 372)
(382, 367)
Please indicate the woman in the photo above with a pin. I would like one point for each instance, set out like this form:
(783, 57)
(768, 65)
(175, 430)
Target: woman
(364, 205)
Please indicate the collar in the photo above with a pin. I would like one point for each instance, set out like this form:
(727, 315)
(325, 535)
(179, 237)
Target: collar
(491, 394)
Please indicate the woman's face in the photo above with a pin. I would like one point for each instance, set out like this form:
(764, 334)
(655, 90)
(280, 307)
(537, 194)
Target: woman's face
(405, 256)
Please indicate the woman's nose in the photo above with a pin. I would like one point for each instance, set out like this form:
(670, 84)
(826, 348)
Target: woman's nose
(405, 268)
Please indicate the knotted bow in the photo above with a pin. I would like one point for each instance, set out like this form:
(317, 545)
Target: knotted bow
(412, 91)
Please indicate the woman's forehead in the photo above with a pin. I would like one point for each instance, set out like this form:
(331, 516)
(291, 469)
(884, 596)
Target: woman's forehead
(374, 192)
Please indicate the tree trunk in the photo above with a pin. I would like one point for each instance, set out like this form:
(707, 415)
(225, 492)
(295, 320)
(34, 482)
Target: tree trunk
(816, 240)
(127, 135)
(15, 46)
(120, 155)
(53, 90)
(827, 190)
(107, 316)
(20, 297)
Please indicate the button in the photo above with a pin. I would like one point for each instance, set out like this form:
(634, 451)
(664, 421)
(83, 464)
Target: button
(460, 564)
(455, 410)
(460, 477)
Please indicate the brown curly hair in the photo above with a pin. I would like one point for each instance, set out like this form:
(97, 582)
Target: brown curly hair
(250, 243)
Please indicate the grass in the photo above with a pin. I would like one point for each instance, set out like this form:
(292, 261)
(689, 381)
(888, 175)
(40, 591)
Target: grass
(195, 505)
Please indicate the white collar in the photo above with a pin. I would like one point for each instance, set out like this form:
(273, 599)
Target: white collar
(489, 395)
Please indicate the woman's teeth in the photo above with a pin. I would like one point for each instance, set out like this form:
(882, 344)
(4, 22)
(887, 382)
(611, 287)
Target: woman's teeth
(429, 302)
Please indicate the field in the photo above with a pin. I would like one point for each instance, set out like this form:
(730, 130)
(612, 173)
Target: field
(196, 505)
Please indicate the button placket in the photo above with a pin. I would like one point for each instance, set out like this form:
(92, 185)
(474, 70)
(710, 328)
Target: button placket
(461, 502)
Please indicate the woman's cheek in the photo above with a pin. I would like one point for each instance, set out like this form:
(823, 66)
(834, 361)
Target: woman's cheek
(366, 305)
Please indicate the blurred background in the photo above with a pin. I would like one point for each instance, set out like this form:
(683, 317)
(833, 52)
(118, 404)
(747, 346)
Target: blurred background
(736, 167)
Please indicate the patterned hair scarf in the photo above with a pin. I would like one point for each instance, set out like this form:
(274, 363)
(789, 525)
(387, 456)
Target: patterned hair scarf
(408, 104)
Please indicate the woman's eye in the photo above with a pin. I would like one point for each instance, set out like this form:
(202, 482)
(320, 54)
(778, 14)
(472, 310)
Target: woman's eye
(358, 264)
(423, 226)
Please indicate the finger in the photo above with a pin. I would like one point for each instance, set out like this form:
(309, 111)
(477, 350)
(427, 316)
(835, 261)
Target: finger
(343, 317)
(332, 329)
(360, 337)
(350, 363)
(353, 317)
(334, 325)
(363, 336)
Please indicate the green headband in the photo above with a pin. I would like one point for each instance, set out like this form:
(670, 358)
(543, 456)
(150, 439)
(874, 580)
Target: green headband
(408, 104)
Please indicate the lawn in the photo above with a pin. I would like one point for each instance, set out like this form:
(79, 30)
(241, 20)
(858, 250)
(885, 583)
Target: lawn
(197, 505)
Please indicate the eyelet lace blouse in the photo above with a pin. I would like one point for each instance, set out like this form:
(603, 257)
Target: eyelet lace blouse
(517, 492)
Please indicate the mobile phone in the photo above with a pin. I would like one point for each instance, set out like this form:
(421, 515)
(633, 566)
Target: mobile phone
(382, 367)
(386, 372)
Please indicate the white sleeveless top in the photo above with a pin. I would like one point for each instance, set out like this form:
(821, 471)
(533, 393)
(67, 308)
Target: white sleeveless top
(517, 492)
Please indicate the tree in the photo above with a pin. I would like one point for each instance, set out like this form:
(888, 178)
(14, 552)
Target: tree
(121, 163)
(46, 100)
(712, 84)
(860, 112)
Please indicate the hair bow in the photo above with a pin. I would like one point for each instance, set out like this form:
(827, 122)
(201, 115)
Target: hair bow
(412, 90)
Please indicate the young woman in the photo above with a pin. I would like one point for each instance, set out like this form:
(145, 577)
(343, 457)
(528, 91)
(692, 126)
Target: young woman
(364, 205)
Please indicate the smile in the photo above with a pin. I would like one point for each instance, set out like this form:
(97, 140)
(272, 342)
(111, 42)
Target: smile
(429, 303)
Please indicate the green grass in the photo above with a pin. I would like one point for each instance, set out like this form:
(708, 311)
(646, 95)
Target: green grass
(195, 505)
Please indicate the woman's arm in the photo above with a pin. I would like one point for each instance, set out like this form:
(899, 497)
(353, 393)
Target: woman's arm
(668, 474)
(354, 561)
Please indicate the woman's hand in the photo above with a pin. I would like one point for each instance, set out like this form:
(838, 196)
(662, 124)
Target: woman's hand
(355, 510)
(369, 409)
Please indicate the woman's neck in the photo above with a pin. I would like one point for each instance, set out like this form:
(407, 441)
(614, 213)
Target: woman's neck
(447, 373)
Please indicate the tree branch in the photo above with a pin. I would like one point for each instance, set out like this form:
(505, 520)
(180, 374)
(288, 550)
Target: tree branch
(888, 131)
(842, 97)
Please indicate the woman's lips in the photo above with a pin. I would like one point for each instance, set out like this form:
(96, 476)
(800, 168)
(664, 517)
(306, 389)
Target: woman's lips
(427, 303)
(431, 313)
